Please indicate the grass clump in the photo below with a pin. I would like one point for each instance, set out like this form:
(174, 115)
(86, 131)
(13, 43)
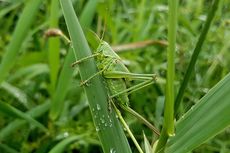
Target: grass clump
(44, 108)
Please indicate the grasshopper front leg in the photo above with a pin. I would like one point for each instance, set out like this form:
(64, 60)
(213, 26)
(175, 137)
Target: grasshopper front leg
(111, 62)
(84, 59)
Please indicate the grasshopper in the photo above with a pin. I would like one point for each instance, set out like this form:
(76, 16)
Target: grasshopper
(115, 73)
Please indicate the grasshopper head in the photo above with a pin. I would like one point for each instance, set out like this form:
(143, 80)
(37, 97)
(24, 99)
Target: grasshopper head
(105, 49)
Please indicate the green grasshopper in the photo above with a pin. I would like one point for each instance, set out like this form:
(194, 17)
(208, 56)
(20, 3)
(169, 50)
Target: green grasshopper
(114, 72)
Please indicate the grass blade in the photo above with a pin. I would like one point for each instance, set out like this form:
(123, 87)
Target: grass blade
(206, 119)
(111, 135)
(59, 148)
(16, 124)
(148, 148)
(88, 13)
(168, 126)
(195, 54)
(13, 112)
(67, 71)
(169, 97)
(16, 93)
(63, 82)
(29, 72)
(19, 35)
(54, 45)
(7, 149)
(6, 10)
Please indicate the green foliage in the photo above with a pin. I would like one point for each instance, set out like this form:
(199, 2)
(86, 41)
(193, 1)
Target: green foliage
(210, 111)
(15, 113)
(60, 147)
(18, 37)
(44, 109)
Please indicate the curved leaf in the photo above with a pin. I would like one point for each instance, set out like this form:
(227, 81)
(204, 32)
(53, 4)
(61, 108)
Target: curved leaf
(203, 121)
(13, 112)
(59, 148)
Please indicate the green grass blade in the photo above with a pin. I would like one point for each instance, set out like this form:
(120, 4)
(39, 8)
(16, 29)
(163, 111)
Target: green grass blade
(19, 35)
(13, 112)
(168, 126)
(29, 72)
(62, 86)
(6, 10)
(16, 93)
(203, 121)
(88, 13)
(54, 45)
(195, 54)
(169, 97)
(110, 132)
(67, 71)
(16, 124)
(148, 148)
(60, 147)
(7, 149)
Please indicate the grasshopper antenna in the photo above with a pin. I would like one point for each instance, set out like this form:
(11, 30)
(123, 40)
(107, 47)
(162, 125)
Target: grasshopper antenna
(104, 28)
(105, 24)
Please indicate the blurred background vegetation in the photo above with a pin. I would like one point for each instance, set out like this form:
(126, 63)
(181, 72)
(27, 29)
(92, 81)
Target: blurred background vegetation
(33, 79)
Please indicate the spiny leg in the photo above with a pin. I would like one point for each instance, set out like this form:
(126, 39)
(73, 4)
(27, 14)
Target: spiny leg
(134, 88)
(141, 118)
(86, 81)
(127, 75)
(88, 57)
(140, 86)
(131, 111)
(84, 59)
(138, 116)
(126, 127)
(150, 78)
